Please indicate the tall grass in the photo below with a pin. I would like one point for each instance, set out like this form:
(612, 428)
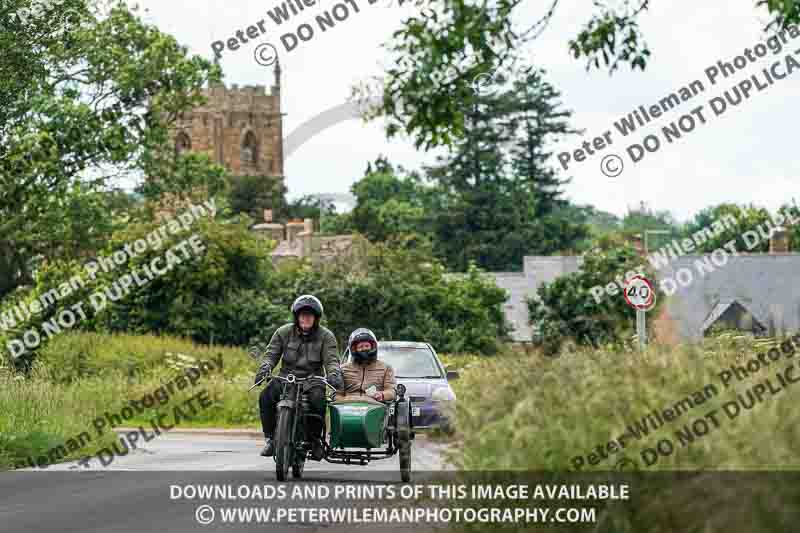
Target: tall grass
(532, 412)
(83, 376)
(518, 412)
(37, 414)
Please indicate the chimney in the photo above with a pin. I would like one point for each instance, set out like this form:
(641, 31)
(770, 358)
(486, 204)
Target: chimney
(293, 228)
(779, 241)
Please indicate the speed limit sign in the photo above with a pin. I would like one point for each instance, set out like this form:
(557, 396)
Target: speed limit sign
(639, 293)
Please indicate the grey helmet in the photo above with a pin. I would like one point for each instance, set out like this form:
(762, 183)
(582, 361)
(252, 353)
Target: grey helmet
(307, 301)
(359, 335)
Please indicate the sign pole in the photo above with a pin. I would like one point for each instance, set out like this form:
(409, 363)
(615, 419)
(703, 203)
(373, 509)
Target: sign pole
(641, 329)
(640, 295)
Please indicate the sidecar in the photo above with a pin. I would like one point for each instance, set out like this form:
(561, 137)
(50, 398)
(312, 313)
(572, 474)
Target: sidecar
(363, 431)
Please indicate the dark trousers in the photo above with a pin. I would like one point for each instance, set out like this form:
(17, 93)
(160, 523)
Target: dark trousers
(268, 404)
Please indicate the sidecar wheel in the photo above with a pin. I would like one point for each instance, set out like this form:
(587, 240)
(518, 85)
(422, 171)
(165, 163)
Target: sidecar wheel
(404, 439)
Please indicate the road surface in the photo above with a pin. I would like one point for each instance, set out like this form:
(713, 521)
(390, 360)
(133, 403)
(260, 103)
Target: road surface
(144, 490)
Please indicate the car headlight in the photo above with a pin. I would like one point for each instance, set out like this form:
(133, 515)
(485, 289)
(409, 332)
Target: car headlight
(443, 394)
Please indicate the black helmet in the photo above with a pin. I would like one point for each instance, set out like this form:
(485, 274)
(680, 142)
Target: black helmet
(359, 335)
(310, 302)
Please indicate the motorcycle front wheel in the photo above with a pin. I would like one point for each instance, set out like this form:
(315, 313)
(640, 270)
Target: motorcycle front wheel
(284, 444)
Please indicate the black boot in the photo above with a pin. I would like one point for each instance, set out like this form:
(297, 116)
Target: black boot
(269, 447)
(317, 450)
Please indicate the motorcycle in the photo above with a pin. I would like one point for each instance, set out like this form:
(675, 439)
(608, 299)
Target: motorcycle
(353, 425)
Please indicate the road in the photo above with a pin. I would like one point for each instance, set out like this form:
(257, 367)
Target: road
(137, 492)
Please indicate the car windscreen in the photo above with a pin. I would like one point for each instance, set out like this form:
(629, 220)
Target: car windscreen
(410, 362)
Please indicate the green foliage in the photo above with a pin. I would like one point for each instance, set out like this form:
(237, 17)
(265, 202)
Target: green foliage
(405, 295)
(746, 217)
(439, 52)
(217, 296)
(638, 220)
(430, 87)
(601, 224)
(614, 36)
(536, 117)
(792, 211)
(389, 206)
(222, 295)
(497, 199)
(307, 206)
(518, 412)
(78, 355)
(82, 109)
(565, 308)
(337, 224)
(251, 195)
(81, 376)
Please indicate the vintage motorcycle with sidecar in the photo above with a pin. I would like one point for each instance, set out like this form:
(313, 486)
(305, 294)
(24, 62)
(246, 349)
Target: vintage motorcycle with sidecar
(360, 432)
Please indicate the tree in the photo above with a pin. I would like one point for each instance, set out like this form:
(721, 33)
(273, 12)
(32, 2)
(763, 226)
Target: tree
(80, 111)
(405, 294)
(389, 206)
(538, 120)
(481, 205)
(638, 221)
(600, 223)
(338, 224)
(494, 207)
(745, 218)
(565, 309)
(224, 294)
(253, 194)
(439, 53)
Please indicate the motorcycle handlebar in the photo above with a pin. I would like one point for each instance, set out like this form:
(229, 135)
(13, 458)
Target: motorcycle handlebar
(292, 379)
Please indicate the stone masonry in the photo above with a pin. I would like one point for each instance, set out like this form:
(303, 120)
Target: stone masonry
(239, 128)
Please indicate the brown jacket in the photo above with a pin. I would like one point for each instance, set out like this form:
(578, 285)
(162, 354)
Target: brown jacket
(358, 378)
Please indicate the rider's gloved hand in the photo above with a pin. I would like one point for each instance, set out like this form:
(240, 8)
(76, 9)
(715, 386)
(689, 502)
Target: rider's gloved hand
(336, 381)
(263, 371)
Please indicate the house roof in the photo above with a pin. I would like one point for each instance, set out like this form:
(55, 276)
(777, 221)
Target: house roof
(723, 306)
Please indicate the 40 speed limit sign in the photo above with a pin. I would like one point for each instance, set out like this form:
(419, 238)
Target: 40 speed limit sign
(639, 293)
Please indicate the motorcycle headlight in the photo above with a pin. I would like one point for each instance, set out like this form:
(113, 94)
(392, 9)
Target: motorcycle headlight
(443, 394)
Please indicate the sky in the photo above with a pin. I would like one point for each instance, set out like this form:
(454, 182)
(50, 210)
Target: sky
(743, 155)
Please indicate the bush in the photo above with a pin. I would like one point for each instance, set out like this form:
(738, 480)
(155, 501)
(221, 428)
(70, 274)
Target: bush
(223, 295)
(565, 308)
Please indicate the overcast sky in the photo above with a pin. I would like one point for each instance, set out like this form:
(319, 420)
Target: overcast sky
(746, 155)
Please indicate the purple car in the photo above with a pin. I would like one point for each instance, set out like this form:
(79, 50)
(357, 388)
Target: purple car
(417, 366)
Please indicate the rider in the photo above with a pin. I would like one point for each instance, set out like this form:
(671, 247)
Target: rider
(305, 347)
(365, 377)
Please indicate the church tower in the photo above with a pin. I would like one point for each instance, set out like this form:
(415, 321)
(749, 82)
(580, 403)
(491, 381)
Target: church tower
(239, 128)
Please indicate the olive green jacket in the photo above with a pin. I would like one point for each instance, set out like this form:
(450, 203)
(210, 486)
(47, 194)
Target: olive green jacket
(303, 355)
